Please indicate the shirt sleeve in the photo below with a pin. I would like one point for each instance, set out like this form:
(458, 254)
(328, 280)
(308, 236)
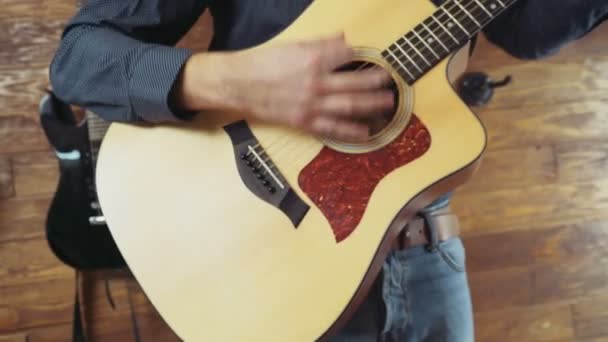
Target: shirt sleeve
(532, 29)
(117, 58)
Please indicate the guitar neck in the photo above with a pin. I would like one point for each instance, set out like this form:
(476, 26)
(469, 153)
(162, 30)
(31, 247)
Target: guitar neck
(97, 128)
(451, 26)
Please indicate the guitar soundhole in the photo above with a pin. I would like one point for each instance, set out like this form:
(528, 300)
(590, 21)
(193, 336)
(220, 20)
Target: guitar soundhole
(377, 123)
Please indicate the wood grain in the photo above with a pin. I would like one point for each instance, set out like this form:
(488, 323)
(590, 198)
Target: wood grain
(542, 323)
(590, 317)
(7, 188)
(29, 305)
(35, 174)
(21, 134)
(22, 218)
(547, 123)
(28, 42)
(29, 261)
(497, 251)
(507, 287)
(21, 91)
(537, 164)
(534, 206)
(49, 333)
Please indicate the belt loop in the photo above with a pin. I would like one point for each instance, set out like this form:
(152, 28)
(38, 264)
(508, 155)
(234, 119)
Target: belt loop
(432, 230)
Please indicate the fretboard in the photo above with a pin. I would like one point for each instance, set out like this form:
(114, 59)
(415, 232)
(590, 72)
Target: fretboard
(451, 26)
(97, 128)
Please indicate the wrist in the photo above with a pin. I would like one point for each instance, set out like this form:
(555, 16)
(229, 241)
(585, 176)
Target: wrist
(205, 83)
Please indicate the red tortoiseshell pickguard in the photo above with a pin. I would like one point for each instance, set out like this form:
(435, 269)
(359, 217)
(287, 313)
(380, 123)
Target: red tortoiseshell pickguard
(340, 184)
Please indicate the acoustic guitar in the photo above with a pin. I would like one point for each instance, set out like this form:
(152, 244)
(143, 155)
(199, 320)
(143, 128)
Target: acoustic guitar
(240, 230)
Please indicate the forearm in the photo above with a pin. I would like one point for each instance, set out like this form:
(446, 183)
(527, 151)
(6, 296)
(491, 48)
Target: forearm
(207, 82)
(116, 58)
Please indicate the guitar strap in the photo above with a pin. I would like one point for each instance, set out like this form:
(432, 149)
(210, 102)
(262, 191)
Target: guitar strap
(78, 334)
(78, 328)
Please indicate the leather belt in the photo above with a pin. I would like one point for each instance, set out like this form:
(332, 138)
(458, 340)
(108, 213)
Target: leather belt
(418, 232)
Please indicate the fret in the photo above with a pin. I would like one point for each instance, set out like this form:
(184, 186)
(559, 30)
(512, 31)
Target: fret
(426, 43)
(467, 13)
(484, 8)
(435, 37)
(453, 20)
(445, 29)
(417, 51)
(399, 65)
(443, 32)
(408, 57)
(96, 128)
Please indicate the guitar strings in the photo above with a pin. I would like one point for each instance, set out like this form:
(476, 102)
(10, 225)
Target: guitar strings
(430, 32)
(461, 15)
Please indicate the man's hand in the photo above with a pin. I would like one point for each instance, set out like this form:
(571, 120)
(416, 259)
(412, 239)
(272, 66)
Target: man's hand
(293, 84)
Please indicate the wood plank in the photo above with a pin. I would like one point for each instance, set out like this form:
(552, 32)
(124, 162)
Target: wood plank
(532, 207)
(28, 41)
(26, 306)
(567, 265)
(7, 188)
(21, 90)
(21, 134)
(53, 333)
(582, 161)
(538, 323)
(549, 82)
(41, 9)
(503, 288)
(29, 262)
(23, 218)
(525, 248)
(549, 123)
(35, 173)
(568, 281)
(591, 317)
(535, 165)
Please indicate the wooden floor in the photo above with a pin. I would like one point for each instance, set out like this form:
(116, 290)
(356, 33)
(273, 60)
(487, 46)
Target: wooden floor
(535, 217)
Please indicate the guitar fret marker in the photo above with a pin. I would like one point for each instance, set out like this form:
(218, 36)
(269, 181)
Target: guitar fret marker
(446, 30)
(456, 21)
(417, 51)
(483, 8)
(437, 39)
(426, 44)
(493, 6)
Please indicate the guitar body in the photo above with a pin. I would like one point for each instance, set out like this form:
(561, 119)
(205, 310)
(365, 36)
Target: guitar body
(70, 235)
(224, 257)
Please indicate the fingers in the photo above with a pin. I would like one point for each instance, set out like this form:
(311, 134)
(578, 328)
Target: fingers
(340, 129)
(333, 51)
(356, 105)
(354, 81)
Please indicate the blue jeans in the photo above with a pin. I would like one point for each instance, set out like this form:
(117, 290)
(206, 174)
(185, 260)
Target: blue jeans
(419, 296)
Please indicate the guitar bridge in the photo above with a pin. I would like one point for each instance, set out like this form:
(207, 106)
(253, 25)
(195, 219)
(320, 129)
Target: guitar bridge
(261, 176)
